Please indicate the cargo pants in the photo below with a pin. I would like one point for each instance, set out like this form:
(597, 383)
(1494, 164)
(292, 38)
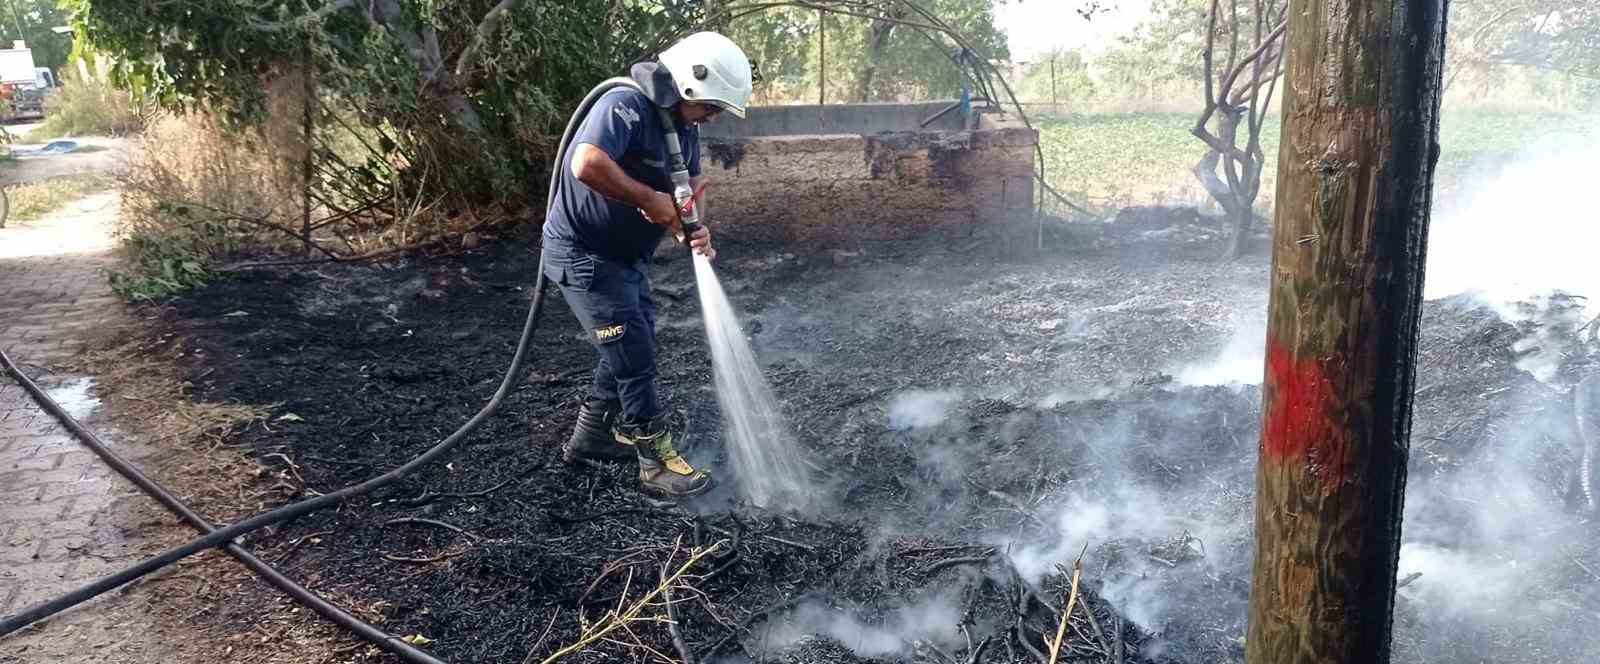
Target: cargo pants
(611, 299)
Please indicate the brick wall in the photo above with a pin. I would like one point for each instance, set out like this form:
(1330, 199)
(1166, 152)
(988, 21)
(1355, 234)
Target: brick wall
(843, 191)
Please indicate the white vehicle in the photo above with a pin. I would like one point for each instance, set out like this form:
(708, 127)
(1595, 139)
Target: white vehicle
(23, 83)
(17, 68)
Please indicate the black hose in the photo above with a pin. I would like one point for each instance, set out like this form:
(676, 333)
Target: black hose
(222, 536)
(300, 593)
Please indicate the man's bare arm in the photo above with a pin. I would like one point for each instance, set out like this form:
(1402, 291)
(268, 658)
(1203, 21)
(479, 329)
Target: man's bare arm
(593, 167)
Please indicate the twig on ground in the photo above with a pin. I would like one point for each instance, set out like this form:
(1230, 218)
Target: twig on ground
(1094, 623)
(942, 549)
(624, 613)
(952, 562)
(772, 538)
(1013, 502)
(337, 461)
(607, 570)
(1066, 614)
(1417, 575)
(295, 545)
(744, 625)
(642, 511)
(937, 654)
(1575, 560)
(431, 522)
(433, 559)
(542, 637)
(428, 496)
(1020, 626)
(977, 653)
(733, 554)
(1118, 646)
(672, 617)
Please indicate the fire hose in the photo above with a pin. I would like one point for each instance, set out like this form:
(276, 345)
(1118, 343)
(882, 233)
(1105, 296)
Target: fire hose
(153, 489)
(223, 537)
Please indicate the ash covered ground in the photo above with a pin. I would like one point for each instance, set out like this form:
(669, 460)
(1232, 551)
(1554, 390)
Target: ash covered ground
(974, 425)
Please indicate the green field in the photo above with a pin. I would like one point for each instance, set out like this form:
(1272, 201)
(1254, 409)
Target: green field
(1114, 160)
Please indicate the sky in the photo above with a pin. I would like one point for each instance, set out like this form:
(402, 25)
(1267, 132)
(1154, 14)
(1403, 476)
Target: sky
(1034, 27)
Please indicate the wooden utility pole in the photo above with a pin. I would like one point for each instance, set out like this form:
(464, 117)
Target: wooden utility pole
(822, 57)
(1355, 174)
(1055, 102)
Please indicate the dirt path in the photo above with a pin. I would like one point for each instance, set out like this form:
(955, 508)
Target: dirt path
(95, 154)
(66, 517)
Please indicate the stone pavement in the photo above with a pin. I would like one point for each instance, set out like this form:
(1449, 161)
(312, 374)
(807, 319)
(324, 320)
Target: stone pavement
(64, 518)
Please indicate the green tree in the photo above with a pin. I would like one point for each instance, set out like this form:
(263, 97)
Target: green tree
(1163, 49)
(1552, 35)
(876, 51)
(31, 21)
(1061, 75)
(466, 89)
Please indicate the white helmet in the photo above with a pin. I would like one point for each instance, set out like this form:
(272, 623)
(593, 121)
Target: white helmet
(708, 67)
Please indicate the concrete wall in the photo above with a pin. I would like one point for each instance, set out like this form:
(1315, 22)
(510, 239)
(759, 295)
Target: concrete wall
(844, 191)
(835, 119)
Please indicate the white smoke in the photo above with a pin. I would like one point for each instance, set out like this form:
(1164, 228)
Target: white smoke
(1480, 538)
(920, 409)
(1526, 231)
(933, 620)
(1241, 362)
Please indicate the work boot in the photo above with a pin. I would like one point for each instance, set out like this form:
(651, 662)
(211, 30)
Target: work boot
(592, 437)
(661, 469)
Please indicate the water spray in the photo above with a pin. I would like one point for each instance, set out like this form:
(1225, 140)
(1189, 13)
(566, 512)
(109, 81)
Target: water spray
(759, 442)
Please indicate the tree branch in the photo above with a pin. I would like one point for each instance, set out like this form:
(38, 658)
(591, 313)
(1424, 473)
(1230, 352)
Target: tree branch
(486, 29)
(1271, 39)
(314, 16)
(1207, 55)
(1233, 35)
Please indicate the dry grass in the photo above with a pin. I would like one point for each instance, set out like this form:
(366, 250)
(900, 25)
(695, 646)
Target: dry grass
(37, 199)
(193, 168)
(139, 383)
(87, 108)
(209, 603)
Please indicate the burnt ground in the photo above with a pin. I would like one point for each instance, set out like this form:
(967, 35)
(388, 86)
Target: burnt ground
(974, 424)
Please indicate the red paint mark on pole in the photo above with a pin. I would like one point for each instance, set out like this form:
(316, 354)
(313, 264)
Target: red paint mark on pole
(1298, 428)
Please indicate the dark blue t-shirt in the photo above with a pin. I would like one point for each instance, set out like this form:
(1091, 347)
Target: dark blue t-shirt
(626, 125)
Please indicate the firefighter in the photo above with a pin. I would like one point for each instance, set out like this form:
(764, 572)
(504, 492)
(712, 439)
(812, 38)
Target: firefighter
(611, 209)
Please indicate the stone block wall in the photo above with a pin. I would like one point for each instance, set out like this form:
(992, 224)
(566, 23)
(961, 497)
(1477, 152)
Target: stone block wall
(844, 191)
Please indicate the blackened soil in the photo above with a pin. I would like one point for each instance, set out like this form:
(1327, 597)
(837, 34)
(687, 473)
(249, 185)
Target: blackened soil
(974, 425)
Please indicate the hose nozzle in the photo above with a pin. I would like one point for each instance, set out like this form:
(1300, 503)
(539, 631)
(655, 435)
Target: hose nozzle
(686, 198)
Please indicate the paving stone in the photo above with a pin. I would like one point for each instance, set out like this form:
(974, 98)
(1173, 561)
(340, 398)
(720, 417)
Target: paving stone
(59, 524)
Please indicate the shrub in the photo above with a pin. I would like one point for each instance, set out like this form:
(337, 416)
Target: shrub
(87, 108)
(164, 263)
(197, 191)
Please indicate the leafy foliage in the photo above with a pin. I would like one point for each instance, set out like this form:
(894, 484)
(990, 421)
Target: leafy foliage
(164, 262)
(1061, 75)
(911, 63)
(415, 69)
(36, 18)
(1116, 160)
(1556, 35)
